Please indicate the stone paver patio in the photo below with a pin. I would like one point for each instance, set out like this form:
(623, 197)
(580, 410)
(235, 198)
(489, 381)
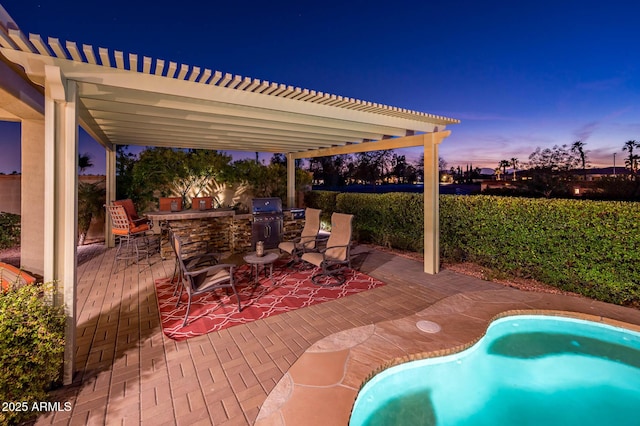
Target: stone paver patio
(273, 371)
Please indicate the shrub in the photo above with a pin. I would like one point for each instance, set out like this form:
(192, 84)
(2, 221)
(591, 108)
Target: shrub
(394, 219)
(323, 200)
(9, 230)
(31, 348)
(588, 247)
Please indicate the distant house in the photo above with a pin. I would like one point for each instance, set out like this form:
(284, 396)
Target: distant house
(606, 172)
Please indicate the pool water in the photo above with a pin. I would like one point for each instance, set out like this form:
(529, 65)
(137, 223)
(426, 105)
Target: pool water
(526, 370)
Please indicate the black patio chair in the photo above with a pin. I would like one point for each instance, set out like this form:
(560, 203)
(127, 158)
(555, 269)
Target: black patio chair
(197, 279)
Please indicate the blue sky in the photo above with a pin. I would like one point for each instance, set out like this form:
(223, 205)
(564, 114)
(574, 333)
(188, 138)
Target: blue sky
(517, 74)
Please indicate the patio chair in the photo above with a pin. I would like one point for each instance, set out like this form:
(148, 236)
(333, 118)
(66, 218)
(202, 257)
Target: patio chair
(132, 213)
(191, 262)
(335, 258)
(134, 239)
(199, 280)
(307, 241)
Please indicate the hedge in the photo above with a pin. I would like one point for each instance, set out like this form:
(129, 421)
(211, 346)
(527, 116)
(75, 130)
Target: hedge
(9, 230)
(588, 247)
(31, 350)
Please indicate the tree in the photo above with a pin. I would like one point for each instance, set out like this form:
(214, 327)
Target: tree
(372, 166)
(186, 173)
(331, 171)
(503, 165)
(442, 164)
(632, 159)
(514, 163)
(84, 161)
(578, 148)
(279, 158)
(125, 161)
(91, 201)
(549, 169)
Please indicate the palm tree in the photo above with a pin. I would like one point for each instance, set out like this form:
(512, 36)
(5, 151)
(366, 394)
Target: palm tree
(632, 160)
(514, 164)
(504, 164)
(578, 147)
(84, 161)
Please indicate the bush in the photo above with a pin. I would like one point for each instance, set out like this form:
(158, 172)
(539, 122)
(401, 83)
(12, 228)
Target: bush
(31, 348)
(322, 200)
(394, 219)
(9, 230)
(588, 247)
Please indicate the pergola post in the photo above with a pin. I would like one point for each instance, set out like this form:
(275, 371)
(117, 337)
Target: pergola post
(110, 191)
(291, 181)
(60, 200)
(432, 202)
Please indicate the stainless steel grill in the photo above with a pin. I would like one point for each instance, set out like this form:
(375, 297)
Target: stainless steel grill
(267, 222)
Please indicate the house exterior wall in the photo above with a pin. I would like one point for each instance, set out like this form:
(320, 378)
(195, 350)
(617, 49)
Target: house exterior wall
(32, 202)
(10, 193)
(10, 198)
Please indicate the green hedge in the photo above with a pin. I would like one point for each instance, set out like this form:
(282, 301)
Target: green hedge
(377, 216)
(9, 230)
(589, 247)
(31, 350)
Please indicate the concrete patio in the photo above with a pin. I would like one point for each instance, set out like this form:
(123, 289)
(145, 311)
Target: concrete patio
(128, 372)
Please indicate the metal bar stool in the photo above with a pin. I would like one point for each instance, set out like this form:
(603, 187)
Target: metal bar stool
(133, 240)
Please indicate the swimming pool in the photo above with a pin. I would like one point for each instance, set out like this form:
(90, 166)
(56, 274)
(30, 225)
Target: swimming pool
(526, 370)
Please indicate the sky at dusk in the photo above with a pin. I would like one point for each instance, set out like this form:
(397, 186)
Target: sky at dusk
(519, 75)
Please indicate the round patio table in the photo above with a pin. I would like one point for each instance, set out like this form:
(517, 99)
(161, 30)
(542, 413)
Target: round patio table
(256, 261)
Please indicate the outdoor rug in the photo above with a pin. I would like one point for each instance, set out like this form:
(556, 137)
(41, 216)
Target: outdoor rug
(214, 311)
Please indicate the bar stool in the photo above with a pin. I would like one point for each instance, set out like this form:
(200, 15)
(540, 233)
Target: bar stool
(133, 240)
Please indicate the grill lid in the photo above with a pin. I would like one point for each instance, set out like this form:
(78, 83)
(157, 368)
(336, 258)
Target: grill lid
(266, 205)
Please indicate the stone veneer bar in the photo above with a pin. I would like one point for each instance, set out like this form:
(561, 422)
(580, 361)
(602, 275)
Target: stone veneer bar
(217, 230)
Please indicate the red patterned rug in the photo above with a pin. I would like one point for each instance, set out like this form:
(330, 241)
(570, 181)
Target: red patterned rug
(290, 290)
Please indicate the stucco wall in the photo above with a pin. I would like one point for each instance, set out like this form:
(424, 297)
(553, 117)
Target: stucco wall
(10, 193)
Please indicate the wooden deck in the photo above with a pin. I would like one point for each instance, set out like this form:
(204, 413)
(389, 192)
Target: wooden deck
(128, 372)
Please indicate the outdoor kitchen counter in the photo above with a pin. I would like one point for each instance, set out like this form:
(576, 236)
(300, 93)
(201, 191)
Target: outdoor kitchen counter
(217, 230)
(189, 214)
(199, 230)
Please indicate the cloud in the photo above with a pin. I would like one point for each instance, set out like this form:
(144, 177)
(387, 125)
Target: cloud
(585, 131)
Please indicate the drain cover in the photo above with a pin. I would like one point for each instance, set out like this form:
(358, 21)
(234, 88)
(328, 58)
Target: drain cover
(428, 326)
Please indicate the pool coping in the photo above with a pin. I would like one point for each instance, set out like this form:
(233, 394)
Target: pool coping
(320, 388)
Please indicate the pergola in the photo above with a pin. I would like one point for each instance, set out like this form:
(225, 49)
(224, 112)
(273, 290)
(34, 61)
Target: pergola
(52, 88)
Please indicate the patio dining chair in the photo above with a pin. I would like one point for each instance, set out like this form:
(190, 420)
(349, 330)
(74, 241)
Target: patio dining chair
(307, 241)
(335, 258)
(198, 280)
(198, 260)
(134, 240)
(130, 209)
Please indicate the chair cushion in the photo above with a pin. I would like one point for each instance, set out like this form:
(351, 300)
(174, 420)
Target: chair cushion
(133, 230)
(288, 246)
(129, 208)
(11, 276)
(336, 253)
(214, 278)
(313, 258)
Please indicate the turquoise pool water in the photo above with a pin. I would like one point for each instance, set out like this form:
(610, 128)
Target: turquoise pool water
(526, 370)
